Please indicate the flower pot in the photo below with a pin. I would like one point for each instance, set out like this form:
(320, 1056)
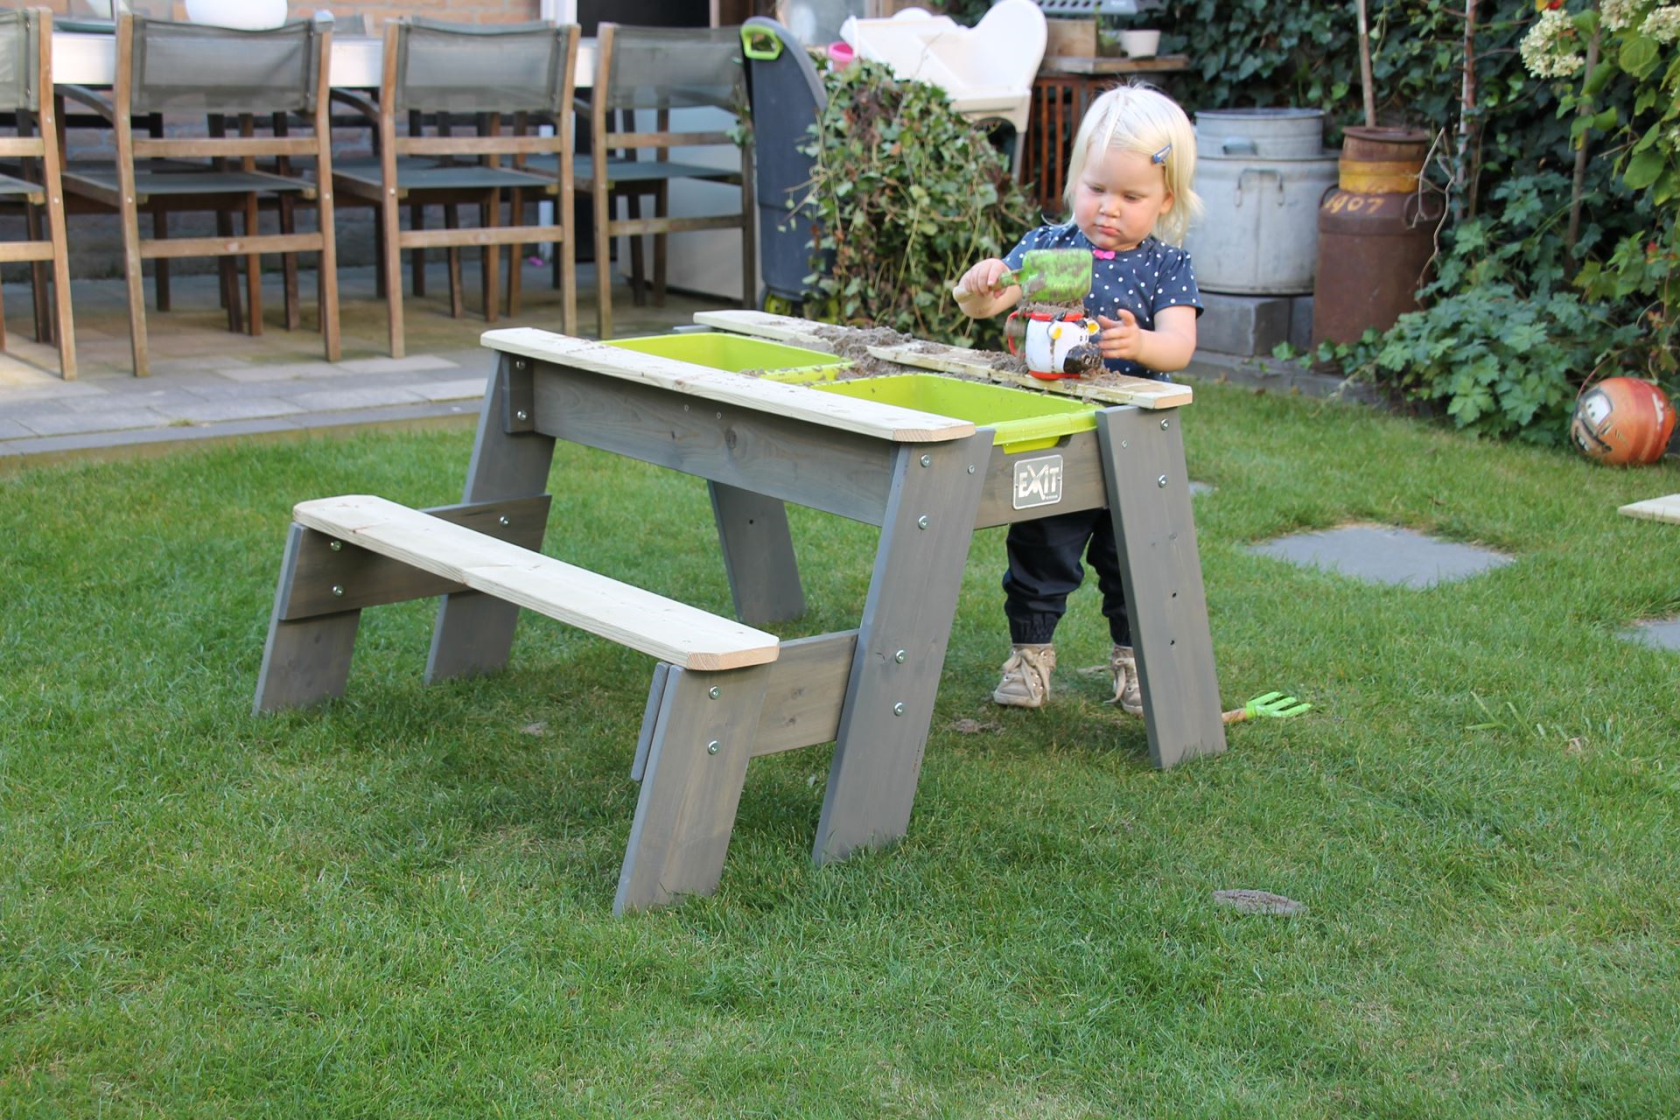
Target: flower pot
(1140, 44)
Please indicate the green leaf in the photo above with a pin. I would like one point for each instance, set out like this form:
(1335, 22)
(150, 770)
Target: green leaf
(1638, 55)
(1643, 169)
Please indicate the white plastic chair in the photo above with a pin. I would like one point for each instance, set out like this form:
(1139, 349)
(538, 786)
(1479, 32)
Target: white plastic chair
(986, 70)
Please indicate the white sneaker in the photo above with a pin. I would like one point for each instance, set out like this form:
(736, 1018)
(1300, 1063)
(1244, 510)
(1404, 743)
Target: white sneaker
(1026, 677)
(1122, 662)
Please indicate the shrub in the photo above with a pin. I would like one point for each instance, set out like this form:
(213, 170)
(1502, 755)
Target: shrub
(909, 195)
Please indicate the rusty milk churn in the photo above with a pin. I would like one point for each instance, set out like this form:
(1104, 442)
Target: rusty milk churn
(1376, 234)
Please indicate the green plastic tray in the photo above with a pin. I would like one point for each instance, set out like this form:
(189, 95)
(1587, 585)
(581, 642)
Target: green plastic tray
(735, 353)
(1021, 421)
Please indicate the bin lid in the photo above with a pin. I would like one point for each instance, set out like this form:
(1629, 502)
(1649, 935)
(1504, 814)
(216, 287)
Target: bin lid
(1262, 133)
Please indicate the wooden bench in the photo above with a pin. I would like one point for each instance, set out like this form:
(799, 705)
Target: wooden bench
(702, 721)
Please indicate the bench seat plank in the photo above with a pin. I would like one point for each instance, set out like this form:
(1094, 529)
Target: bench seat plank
(1657, 509)
(849, 414)
(652, 624)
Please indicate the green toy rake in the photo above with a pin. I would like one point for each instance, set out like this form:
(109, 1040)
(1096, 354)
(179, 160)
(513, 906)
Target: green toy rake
(1272, 705)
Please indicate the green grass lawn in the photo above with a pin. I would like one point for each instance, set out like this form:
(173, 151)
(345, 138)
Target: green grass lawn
(400, 904)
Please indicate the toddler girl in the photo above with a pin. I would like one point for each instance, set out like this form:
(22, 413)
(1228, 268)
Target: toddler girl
(1129, 195)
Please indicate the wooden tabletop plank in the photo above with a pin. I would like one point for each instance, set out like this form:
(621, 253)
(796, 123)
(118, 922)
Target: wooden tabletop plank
(1112, 389)
(762, 324)
(641, 620)
(1666, 508)
(851, 414)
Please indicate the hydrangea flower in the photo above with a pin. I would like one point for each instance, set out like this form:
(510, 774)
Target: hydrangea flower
(1618, 14)
(1663, 25)
(1548, 48)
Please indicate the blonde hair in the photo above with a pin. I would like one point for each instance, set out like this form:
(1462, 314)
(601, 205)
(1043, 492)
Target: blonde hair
(1140, 118)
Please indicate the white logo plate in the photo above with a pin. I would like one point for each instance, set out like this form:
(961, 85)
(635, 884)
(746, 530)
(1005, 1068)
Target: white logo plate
(1038, 482)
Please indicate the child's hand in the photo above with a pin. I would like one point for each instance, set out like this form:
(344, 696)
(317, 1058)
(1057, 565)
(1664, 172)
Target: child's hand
(991, 278)
(1120, 338)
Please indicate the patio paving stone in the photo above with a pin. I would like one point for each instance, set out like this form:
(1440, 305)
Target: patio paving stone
(11, 429)
(216, 412)
(414, 363)
(1658, 633)
(1379, 554)
(339, 399)
(75, 423)
(469, 388)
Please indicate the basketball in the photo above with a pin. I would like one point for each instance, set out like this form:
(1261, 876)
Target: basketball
(1622, 421)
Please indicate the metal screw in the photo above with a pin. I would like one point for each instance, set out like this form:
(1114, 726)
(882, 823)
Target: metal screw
(971, 468)
(712, 747)
(519, 364)
(1162, 481)
(338, 589)
(1123, 443)
(336, 546)
(1164, 425)
(714, 692)
(927, 460)
(922, 521)
(504, 519)
(720, 416)
(898, 709)
(522, 415)
(899, 657)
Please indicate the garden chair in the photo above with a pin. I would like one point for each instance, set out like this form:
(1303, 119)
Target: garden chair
(437, 71)
(197, 70)
(640, 70)
(26, 90)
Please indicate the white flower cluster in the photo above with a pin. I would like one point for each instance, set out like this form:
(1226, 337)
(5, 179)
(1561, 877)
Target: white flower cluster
(1618, 14)
(1663, 25)
(1544, 50)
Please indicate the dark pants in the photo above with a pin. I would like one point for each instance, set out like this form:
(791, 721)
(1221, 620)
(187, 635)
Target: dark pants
(1044, 569)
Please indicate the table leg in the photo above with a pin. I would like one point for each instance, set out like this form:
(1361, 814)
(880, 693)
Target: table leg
(757, 555)
(1161, 570)
(888, 708)
(307, 660)
(510, 459)
(696, 766)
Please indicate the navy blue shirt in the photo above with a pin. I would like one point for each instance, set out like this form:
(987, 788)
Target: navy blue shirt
(1144, 280)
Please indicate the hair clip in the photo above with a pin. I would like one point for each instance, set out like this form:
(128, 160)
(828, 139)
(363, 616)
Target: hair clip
(1161, 156)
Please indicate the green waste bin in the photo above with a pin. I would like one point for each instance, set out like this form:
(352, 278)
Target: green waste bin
(1022, 421)
(734, 353)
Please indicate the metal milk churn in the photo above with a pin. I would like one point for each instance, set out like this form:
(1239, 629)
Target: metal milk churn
(1376, 234)
(1261, 173)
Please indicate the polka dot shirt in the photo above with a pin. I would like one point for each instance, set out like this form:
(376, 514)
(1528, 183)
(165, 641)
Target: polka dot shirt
(1144, 280)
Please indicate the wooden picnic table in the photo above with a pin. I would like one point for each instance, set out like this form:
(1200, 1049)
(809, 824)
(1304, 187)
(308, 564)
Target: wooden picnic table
(927, 481)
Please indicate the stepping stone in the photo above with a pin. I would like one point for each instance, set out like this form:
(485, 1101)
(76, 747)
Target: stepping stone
(1197, 489)
(1658, 633)
(1382, 555)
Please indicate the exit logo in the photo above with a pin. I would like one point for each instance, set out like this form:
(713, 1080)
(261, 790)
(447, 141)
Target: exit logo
(1038, 482)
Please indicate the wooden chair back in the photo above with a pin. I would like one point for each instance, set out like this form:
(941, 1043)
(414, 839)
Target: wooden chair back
(26, 91)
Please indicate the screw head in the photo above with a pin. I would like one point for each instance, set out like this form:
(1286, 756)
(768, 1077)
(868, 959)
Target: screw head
(1123, 443)
(714, 692)
(338, 590)
(522, 415)
(899, 657)
(898, 709)
(927, 460)
(713, 747)
(1162, 481)
(1165, 424)
(971, 468)
(922, 521)
(336, 546)
(505, 520)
